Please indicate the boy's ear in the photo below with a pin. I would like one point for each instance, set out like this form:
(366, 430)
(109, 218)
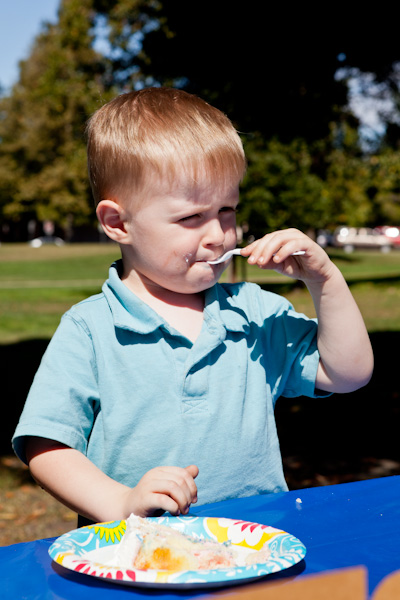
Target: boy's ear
(111, 218)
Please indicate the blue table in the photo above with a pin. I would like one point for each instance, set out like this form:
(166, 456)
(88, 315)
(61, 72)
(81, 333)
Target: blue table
(341, 525)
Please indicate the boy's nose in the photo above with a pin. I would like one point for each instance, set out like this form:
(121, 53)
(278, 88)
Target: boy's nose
(215, 235)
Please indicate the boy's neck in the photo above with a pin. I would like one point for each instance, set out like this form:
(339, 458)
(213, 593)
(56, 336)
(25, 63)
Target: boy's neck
(149, 291)
(183, 311)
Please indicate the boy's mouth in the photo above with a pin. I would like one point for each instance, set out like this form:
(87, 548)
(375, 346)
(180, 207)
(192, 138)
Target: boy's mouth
(205, 261)
(190, 259)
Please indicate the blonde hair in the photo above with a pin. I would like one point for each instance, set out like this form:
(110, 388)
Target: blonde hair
(159, 131)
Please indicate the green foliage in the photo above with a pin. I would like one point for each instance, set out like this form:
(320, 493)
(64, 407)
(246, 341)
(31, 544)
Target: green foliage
(42, 153)
(384, 188)
(318, 186)
(127, 22)
(346, 183)
(280, 189)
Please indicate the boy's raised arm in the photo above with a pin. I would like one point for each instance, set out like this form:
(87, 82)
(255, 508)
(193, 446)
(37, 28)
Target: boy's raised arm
(346, 362)
(346, 358)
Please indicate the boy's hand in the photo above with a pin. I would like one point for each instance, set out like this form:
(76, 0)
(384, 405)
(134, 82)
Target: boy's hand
(274, 251)
(169, 489)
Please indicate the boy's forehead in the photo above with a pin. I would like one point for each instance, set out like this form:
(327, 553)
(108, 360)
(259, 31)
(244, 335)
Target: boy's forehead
(187, 187)
(175, 190)
(202, 196)
(198, 189)
(186, 184)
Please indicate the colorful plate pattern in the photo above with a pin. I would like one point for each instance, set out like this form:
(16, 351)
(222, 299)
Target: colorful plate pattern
(71, 551)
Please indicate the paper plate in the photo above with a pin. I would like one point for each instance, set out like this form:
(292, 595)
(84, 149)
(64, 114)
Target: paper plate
(86, 550)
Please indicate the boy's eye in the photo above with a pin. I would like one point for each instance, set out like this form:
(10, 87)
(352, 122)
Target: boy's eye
(193, 218)
(188, 218)
(228, 209)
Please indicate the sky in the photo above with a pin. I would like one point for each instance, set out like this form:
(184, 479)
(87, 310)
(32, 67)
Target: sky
(20, 23)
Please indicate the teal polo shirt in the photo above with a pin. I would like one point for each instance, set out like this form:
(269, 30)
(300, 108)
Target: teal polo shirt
(122, 386)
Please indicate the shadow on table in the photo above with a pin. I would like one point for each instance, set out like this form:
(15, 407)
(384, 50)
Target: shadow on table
(341, 438)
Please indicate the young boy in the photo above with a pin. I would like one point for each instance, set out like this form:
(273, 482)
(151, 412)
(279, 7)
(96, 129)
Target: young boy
(160, 391)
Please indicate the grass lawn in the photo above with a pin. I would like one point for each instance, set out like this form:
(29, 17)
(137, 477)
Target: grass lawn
(38, 285)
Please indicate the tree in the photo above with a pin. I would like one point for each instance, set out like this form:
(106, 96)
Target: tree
(384, 187)
(123, 26)
(43, 172)
(280, 188)
(267, 72)
(274, 71)
(271, 68)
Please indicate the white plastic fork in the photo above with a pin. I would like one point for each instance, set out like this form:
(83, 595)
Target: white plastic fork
(225, 256)
(230, 253)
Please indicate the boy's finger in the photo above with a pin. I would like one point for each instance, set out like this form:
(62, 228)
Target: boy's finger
(260, 251)
(178, 492)
(161, 503)
(181, 477)
(193, 470)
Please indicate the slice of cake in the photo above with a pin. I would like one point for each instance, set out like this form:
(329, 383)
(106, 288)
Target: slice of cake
(148, 545)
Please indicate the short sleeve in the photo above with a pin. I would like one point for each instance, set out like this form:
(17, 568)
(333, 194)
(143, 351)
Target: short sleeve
(63, 399)
(302, 356)
(289, 341)
(296, 337)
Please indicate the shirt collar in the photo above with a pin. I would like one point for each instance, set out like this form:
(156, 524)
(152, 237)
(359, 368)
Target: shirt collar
(221, 306)
(129, 312)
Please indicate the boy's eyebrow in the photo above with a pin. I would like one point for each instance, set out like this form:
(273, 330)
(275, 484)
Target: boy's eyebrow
(199, 204)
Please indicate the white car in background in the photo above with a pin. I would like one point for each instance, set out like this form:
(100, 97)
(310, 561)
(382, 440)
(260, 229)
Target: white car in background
(392, 232)
(350, 238)
(46, 239)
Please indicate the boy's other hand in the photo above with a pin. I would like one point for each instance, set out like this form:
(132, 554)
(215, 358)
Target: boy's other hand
(165, 489)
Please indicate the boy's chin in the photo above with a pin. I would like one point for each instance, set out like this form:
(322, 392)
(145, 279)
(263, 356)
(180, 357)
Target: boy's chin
(196, 287)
